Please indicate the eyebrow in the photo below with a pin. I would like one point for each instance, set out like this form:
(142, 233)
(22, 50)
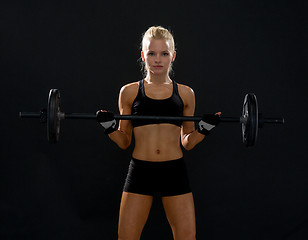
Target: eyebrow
(160, 51)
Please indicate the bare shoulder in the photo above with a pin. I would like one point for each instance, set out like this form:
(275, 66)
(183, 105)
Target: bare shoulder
(186, 91)
(129, 92)
(129, 88)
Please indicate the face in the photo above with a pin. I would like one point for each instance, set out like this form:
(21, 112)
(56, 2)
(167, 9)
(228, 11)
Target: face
(158, 55)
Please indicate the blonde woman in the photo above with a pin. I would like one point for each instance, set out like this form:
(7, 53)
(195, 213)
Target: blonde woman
(157, 164)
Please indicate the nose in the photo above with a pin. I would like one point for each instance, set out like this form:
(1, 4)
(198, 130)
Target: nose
(157, 58)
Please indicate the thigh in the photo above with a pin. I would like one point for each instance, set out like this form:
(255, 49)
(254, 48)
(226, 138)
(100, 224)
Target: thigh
(134, 212)
(180, 212)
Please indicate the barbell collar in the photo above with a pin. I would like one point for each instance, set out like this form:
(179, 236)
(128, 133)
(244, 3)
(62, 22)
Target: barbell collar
(29, 114)
(42, 115)
(274, 120)
(262, 120)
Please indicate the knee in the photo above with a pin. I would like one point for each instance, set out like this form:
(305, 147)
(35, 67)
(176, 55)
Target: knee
(185, 234)
(128, 236)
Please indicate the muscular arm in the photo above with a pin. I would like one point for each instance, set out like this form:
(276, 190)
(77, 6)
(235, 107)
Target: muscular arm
(189, 136)
(123, 135)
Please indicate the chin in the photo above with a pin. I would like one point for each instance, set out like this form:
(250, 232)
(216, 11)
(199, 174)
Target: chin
(159, 72)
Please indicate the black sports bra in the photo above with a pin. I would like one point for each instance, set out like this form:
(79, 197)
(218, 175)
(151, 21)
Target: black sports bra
(143, 105)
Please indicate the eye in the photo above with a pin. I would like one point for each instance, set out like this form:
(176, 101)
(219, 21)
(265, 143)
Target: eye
(166, 54)
(150, 54)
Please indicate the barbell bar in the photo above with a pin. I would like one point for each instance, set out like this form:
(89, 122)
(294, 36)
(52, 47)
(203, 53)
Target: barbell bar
(63, 116)
(251, 119)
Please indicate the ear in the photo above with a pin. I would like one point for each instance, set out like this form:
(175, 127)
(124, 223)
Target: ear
(174, 55)
(142, 56)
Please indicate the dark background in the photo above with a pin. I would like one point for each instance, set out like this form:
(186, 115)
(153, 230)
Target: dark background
(88, 50)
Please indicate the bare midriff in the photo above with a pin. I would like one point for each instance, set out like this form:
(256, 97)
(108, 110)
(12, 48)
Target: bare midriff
(157, 142)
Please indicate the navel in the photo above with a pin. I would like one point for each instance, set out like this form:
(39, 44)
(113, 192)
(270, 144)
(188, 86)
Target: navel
(158, 151)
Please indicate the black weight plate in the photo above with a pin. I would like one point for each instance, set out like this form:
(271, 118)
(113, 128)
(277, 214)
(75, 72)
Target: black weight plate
(250, 120)
(53, 120)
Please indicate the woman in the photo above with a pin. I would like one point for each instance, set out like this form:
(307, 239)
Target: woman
(157, 163)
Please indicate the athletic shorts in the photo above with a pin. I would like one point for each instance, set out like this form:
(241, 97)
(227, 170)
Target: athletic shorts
(168, 178)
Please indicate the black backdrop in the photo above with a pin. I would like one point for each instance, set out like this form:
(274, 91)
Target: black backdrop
(88, 50)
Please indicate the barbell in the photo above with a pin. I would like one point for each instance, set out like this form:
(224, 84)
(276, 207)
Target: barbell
(251, 119)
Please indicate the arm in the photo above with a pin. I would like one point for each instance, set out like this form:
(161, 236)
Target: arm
(189, 136)
(123, 135)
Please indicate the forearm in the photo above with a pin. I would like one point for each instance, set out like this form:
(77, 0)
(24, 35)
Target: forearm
(121, 138)
(190, 140)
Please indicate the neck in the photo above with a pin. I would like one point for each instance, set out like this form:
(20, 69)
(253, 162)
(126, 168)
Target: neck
(157, 79)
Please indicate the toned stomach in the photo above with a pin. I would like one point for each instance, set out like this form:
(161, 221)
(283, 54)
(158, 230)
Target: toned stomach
(157, 142)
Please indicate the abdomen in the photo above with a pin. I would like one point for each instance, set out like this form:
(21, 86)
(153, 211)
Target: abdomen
(157, 142)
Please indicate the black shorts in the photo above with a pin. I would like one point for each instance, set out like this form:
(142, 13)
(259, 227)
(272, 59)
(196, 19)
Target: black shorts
(168, 178)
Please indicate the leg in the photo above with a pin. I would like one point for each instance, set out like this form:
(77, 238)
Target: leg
(180, 212)
(134, 212)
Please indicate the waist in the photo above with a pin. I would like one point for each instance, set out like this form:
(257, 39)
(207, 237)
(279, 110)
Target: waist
(156, 164)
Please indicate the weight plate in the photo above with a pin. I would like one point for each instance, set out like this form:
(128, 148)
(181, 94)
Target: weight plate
(53, 120)
(250, 120)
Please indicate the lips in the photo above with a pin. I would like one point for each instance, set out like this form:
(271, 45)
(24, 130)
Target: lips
(158, 66)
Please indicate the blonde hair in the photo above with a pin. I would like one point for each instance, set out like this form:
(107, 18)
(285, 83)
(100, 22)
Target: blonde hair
(156, 32)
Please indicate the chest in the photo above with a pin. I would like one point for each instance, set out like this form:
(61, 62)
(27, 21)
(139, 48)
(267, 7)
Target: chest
(158, 92)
